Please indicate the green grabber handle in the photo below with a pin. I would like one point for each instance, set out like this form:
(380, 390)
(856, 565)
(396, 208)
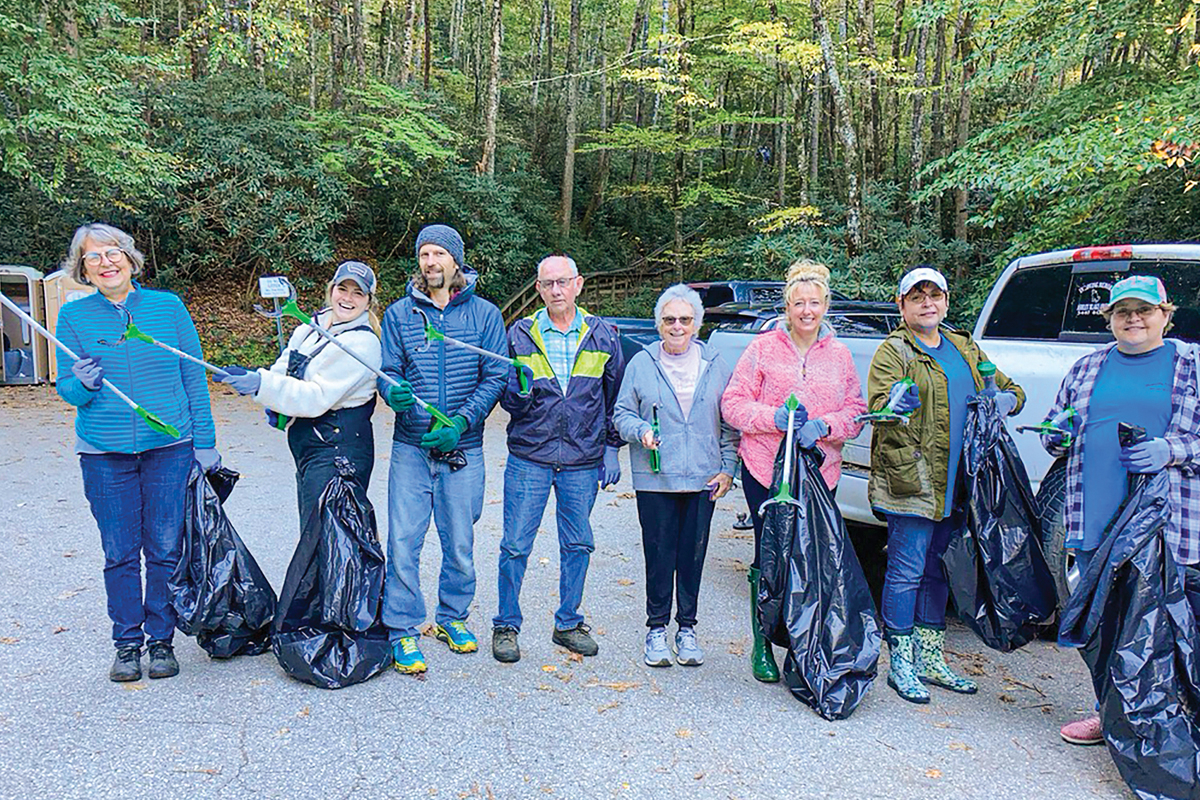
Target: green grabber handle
(655, 456)
(785, 484)
(432, 334)
(888, 412)
(153, 421)
(132, 332)
(1053, 425)
(290, 309)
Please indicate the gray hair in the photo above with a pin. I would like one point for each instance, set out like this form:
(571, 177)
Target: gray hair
(570, 263)
(105, 234)
(680, 291)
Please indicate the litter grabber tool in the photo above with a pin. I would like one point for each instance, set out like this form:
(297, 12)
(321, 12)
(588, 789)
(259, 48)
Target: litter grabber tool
(655, 457)
(290, 309)
(784, 495)
(133, 334)
(432, 334)
(888, 413)
(153, 421)
(1056, 424)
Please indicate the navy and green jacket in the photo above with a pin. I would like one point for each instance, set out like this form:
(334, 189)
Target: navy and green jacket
(174, 390)
(571, 430)
(455, 380)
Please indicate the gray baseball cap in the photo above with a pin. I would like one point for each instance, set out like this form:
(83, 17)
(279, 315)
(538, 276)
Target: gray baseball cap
(358, 272)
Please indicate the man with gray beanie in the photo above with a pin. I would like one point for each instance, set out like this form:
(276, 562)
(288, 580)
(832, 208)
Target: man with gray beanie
(437, 471)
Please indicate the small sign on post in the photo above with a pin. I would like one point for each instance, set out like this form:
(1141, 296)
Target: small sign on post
(275, 287)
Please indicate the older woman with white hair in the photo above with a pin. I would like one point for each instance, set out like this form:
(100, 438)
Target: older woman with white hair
(805, 359)
(134, 477)
(670, 404)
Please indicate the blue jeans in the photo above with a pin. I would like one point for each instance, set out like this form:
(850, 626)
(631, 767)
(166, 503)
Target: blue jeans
(915, 588)
(418, 488)
(137, 500)
(526, 490)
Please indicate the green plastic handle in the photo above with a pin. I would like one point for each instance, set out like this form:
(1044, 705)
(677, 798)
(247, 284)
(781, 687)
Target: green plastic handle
(132, 332)
(290, 309)
(436, 413)
(655, 456)
(157, 424)
(434, 334)
(522, 381)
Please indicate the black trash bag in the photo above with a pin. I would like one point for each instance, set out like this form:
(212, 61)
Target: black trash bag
(813, 598)
(1135, 618)
(220, 594)
(997, 572)
(328, 630)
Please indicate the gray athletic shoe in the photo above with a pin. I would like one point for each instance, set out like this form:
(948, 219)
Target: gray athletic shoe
(657, 654)
(687, 652)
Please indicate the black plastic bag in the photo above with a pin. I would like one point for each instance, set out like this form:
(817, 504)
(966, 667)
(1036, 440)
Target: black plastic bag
(998, 576)
(220, 594)
(813, 597)
(1135, 618)
(328, 630)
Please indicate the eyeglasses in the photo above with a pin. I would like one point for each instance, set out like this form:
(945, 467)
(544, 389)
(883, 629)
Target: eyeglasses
(681, 320)
(113, 254)
(561, 283)
(1141, 311)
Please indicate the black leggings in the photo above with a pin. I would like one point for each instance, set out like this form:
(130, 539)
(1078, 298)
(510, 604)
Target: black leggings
(756, 495)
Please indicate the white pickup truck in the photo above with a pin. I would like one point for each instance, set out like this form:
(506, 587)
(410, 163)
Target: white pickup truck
(1040, 317)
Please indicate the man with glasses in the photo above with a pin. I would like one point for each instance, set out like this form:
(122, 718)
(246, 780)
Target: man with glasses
(437, 471)
(561, 435)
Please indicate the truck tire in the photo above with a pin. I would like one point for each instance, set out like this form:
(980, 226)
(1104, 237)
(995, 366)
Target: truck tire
(1052, 511)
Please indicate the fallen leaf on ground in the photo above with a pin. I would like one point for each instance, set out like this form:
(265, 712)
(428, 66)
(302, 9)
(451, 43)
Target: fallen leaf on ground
(963, 746)
(576, 657)
(620, 686)
(624, 582)
(134, 687)
(304, 712)
(933, 773)
(60, 629)
(698, 776)
(1004, 698)
(737, 647)
(549, 668)
(9, 640)
(608, 706)
(543, 560)
(683, 733)
(627, 495)
(69, 593)
(282, 731)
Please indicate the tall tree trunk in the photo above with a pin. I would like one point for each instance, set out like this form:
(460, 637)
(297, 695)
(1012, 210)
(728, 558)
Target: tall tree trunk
(783, 81)
(427, 28)
(937, 126)
(385, 53)
(897, 105)
(312, 55)
(872, 110)
(962, 126)
(845, 130)
(456, 29)
(337, 49)
(406, 43)
(681, 132)
(920, 83)
(358, 32)
(568, 179)
(815, 104)
(487, 163)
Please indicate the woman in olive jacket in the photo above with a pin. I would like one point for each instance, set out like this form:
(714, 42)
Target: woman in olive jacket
(913, 471)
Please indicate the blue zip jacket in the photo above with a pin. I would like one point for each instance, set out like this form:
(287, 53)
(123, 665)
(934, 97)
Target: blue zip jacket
(174, 390)
(455, 380)
(567, 431)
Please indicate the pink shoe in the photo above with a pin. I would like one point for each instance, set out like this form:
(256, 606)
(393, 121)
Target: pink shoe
(1083, 731)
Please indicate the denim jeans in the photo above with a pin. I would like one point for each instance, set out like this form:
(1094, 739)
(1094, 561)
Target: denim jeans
(526, 489)
(137, 500)
(915, 588)
(419, 488)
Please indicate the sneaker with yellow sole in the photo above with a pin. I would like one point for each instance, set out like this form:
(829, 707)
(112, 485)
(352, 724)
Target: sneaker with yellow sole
(456, 635)
(407, 656)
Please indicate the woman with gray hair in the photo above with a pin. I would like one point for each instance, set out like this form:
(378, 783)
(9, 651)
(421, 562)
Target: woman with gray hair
(134, 477)
(670, 404)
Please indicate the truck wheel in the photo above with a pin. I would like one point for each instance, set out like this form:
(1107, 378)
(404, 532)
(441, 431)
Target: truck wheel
(1052, 511)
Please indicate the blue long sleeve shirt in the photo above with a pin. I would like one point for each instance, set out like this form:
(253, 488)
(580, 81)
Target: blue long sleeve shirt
(167, 386)
(960, 386)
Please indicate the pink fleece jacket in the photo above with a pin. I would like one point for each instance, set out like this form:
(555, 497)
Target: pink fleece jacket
(768, 372)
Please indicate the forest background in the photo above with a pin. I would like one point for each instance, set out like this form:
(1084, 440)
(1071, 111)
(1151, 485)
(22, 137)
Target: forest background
(236, 138)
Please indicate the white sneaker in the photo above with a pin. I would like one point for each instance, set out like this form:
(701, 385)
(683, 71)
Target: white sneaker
(657, 654)
(687, 652)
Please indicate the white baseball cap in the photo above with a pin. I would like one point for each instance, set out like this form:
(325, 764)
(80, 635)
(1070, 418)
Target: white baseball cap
(913, 277)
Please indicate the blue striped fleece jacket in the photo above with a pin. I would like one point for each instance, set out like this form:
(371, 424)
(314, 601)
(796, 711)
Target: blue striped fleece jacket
(162, 383)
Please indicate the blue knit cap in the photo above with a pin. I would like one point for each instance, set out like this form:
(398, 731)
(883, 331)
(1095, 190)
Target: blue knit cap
(444, 237)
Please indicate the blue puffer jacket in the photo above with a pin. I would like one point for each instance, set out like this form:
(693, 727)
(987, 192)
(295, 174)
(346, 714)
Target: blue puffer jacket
(568, 431)
(455, 380)
(172, 389)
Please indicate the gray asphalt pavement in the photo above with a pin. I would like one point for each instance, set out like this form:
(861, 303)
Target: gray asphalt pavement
(548, 726)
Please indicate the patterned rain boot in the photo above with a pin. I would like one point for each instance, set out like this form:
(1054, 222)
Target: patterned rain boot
(762, 660)
(902, 676)
(930, 658)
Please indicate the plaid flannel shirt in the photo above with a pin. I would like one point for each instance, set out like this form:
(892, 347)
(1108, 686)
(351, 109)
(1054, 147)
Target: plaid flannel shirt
(561, 346)
(1182, 436)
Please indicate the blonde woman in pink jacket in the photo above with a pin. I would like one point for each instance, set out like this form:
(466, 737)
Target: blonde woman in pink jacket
(806, 359)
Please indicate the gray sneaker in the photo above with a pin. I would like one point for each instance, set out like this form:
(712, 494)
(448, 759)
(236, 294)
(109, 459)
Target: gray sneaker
(657, 654)
(687, 652)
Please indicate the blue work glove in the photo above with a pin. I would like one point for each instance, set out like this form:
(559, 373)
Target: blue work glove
(277, 420)
(909, 401)
(446, 438)
(208, 458)
(1006, 402)
(1149, 456)
(89, 372)
(242, 380)
(400, 398)
(610, 470)
(811, 431)
(1065, 439)
(781, 416)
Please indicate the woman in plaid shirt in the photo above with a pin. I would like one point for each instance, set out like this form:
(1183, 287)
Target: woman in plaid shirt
(1141, 379)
